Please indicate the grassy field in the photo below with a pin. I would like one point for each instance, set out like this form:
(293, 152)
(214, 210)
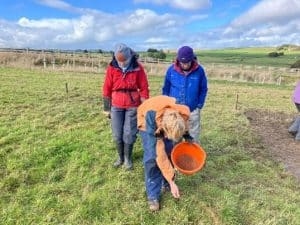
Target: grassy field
(247, 56)
(56, 156)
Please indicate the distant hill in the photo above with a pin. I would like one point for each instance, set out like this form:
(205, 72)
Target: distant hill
(288, 47)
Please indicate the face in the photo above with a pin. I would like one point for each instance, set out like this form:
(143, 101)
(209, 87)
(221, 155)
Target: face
(123, 64)
(185, 66)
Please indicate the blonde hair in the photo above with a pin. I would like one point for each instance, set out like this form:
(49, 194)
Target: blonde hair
(173, 125)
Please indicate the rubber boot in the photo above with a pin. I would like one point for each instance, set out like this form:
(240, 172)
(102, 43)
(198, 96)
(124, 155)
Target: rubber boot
(120, 160)
(293, 129)
(297, 137)
(128, 156)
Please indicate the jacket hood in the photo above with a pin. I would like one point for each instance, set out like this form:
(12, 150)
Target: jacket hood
(133, 64)
(177, 67)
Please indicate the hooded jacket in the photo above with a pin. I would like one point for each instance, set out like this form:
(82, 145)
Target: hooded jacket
(125, 88)
(149, 117)
(189, 89)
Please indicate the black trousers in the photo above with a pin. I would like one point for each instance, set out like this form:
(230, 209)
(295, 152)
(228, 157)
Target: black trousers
(298, 106)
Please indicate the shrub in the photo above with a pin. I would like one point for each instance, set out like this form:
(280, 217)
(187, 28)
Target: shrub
(296, 64)
(154, 53)
(273, 54)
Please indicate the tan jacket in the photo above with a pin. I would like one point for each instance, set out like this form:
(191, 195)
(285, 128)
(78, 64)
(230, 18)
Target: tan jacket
(159, 104)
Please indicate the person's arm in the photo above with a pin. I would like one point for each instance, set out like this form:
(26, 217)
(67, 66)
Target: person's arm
(163, 161)
(143, 84)
(106, 92)
(166, 85)
(166, 166)
(203, 89)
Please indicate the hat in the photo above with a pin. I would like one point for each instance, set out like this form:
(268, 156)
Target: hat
(185, 54)
(122, 52)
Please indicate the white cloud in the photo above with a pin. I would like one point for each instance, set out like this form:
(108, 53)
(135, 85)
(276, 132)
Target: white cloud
(81, 30)
(54, 24)
(144, 21)
(180, 4)
(269, 11)
(58, 4)
(270, 22)
(156, 40)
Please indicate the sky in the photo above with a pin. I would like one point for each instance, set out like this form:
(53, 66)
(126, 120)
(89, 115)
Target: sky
(144, 24)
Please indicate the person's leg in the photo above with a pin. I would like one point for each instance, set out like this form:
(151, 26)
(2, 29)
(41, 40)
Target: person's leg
(153, 176)
(297, 137)
(293, 129)
(194, 125)
(298, 106)
(129, 135)
(117, 122)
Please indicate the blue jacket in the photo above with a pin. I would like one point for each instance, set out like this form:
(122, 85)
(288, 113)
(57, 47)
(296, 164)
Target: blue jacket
(189, 89)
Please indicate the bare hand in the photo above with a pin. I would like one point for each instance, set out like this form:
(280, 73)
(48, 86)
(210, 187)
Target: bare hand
(107, 114)
(174, 190)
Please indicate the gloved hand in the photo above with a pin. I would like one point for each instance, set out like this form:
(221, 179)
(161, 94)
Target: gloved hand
(187, 137)
(106, 104)
(106, 107)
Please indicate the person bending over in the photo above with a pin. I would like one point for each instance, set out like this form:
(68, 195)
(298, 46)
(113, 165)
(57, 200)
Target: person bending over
(161, 122)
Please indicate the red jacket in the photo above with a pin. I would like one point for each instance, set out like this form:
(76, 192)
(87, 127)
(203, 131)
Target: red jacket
(125, 89)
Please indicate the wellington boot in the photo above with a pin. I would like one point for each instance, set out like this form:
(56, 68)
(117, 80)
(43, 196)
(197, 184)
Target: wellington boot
(128, 164)
(293, 129)
(297, 137)
(120, 160)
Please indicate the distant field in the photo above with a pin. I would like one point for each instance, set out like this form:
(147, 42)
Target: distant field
(240, 56)
(244, 64)
(247, 56)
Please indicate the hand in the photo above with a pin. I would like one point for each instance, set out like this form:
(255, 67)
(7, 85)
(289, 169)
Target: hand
(174, 190)
(106, 104)
(107, 114)
(160, 134)
(187, 137)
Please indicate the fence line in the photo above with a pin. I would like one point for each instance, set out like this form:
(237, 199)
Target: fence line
(97, 63)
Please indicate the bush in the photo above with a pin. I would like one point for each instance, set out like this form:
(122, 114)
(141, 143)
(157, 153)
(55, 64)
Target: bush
(273, 54)
(296, 64)
(154, 53)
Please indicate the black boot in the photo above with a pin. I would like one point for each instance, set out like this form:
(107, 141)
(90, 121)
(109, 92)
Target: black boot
(120, 160)
(128, 156)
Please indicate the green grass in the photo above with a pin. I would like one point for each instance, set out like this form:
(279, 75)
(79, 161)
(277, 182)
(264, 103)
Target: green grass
(56, 155)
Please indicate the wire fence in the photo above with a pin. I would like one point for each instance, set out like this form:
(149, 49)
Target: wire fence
(97, 63)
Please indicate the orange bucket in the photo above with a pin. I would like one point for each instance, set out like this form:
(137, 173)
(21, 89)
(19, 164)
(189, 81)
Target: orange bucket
(188, 158)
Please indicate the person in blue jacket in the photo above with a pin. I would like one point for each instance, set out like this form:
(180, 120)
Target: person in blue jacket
(186, 81)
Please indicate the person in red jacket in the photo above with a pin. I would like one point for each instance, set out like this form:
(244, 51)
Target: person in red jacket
(125, 88)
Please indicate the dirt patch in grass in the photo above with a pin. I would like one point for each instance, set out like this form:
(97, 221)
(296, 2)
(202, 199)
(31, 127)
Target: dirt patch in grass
(272, 128)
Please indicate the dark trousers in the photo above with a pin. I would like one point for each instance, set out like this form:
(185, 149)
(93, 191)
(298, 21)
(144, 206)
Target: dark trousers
(124, 125)
(154, 180)
(297, 106)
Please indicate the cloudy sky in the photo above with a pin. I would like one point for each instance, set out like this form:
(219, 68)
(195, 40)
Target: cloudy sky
(143, 24)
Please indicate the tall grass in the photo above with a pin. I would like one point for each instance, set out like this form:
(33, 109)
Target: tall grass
(56, 155)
